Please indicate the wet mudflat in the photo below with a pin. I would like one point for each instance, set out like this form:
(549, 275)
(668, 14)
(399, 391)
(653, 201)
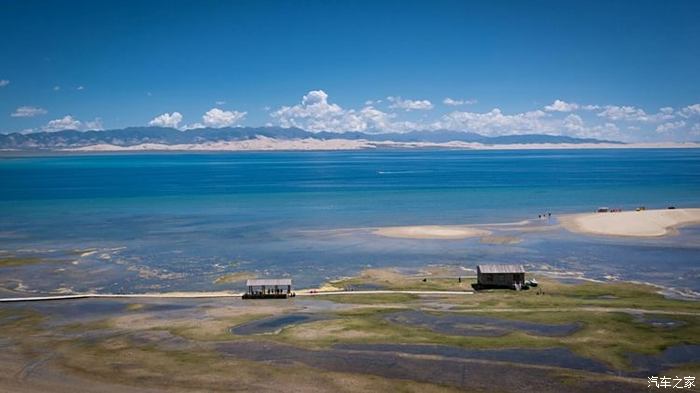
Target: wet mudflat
(272, 324)
(660, 321)
(477, 325)
(554, 357)
(470, 374)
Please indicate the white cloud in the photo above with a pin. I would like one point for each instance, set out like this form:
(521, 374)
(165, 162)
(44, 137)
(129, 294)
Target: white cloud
(690, 110)
(166, 120)
(220, 103)
(453, 102)
(315, 114)
(409, 105)
(56, 88)
(65, 123)
(495, 122)
(574, 123)
(28, 111)
(670, 126)
(4, 82)
(95, 125)
(218, 118)
(561, 106)
(614, 112)
(695, 131)
(68, 122)
(631, 113)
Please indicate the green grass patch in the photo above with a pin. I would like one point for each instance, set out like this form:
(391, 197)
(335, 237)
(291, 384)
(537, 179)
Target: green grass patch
(233, 278)
(379, 298)
(17, 261)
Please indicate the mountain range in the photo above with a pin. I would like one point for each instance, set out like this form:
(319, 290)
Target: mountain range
(133, 136)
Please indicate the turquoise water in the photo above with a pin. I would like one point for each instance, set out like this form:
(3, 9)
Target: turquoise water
(178, 221)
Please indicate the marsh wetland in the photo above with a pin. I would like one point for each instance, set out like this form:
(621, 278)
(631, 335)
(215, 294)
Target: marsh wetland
(580, 337)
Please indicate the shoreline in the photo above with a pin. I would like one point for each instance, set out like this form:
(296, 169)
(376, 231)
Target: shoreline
(637, 224)
(330, 145)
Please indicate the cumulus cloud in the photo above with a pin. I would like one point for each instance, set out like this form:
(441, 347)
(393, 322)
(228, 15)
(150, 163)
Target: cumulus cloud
(409, 105)
(690, 110)
(68, 122)
(218, 118)
(65, 123)
(561, 106)
(94, 125)
(315, 113)
(28, 111)
(170, 120)
(631, 113)
(80, 88)
(670, 126)
(4, 82)
(614, 112)
(457, 102)
(695, 131)
(495, 122)
(56, 88)
(574, 124)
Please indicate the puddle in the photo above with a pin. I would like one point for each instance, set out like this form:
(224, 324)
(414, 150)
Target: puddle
(555, 357)
(661, 322)
(670, 357)
(456, 372)
(273, 324)
(477, 325)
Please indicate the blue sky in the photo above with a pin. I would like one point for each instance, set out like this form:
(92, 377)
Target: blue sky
(623, 70)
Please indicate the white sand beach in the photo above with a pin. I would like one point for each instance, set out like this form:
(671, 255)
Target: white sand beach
(645, 223)
(261, 143)
(431, 232)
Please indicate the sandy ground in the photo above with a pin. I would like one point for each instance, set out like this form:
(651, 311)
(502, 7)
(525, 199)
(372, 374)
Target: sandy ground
(431, 232)
(262, 143)
(646, 223)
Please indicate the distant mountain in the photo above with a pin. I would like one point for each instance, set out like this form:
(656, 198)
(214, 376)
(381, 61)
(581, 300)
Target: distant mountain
(133, 136)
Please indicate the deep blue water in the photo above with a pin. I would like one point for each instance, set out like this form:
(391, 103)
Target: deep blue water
(177, 221)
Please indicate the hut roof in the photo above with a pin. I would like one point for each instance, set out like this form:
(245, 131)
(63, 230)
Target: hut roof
(500, 269)
(269, 282)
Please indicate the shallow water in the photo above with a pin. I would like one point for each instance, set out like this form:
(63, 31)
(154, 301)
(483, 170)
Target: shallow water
(670, 357)
(555, 357)
(464, 373)
(269, 325)
(476, 325)
(157, 222)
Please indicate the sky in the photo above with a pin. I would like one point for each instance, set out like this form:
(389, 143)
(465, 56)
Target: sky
(622, 70)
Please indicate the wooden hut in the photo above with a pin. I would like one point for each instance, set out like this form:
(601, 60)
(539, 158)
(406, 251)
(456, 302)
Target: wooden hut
(279, 288)
(500, 276)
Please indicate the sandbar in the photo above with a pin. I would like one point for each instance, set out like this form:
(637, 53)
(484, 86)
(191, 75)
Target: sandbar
(431, 232)
(645, 223)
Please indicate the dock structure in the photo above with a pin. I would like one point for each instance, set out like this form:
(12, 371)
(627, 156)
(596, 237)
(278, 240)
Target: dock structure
(278, 288)
(500, 276)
